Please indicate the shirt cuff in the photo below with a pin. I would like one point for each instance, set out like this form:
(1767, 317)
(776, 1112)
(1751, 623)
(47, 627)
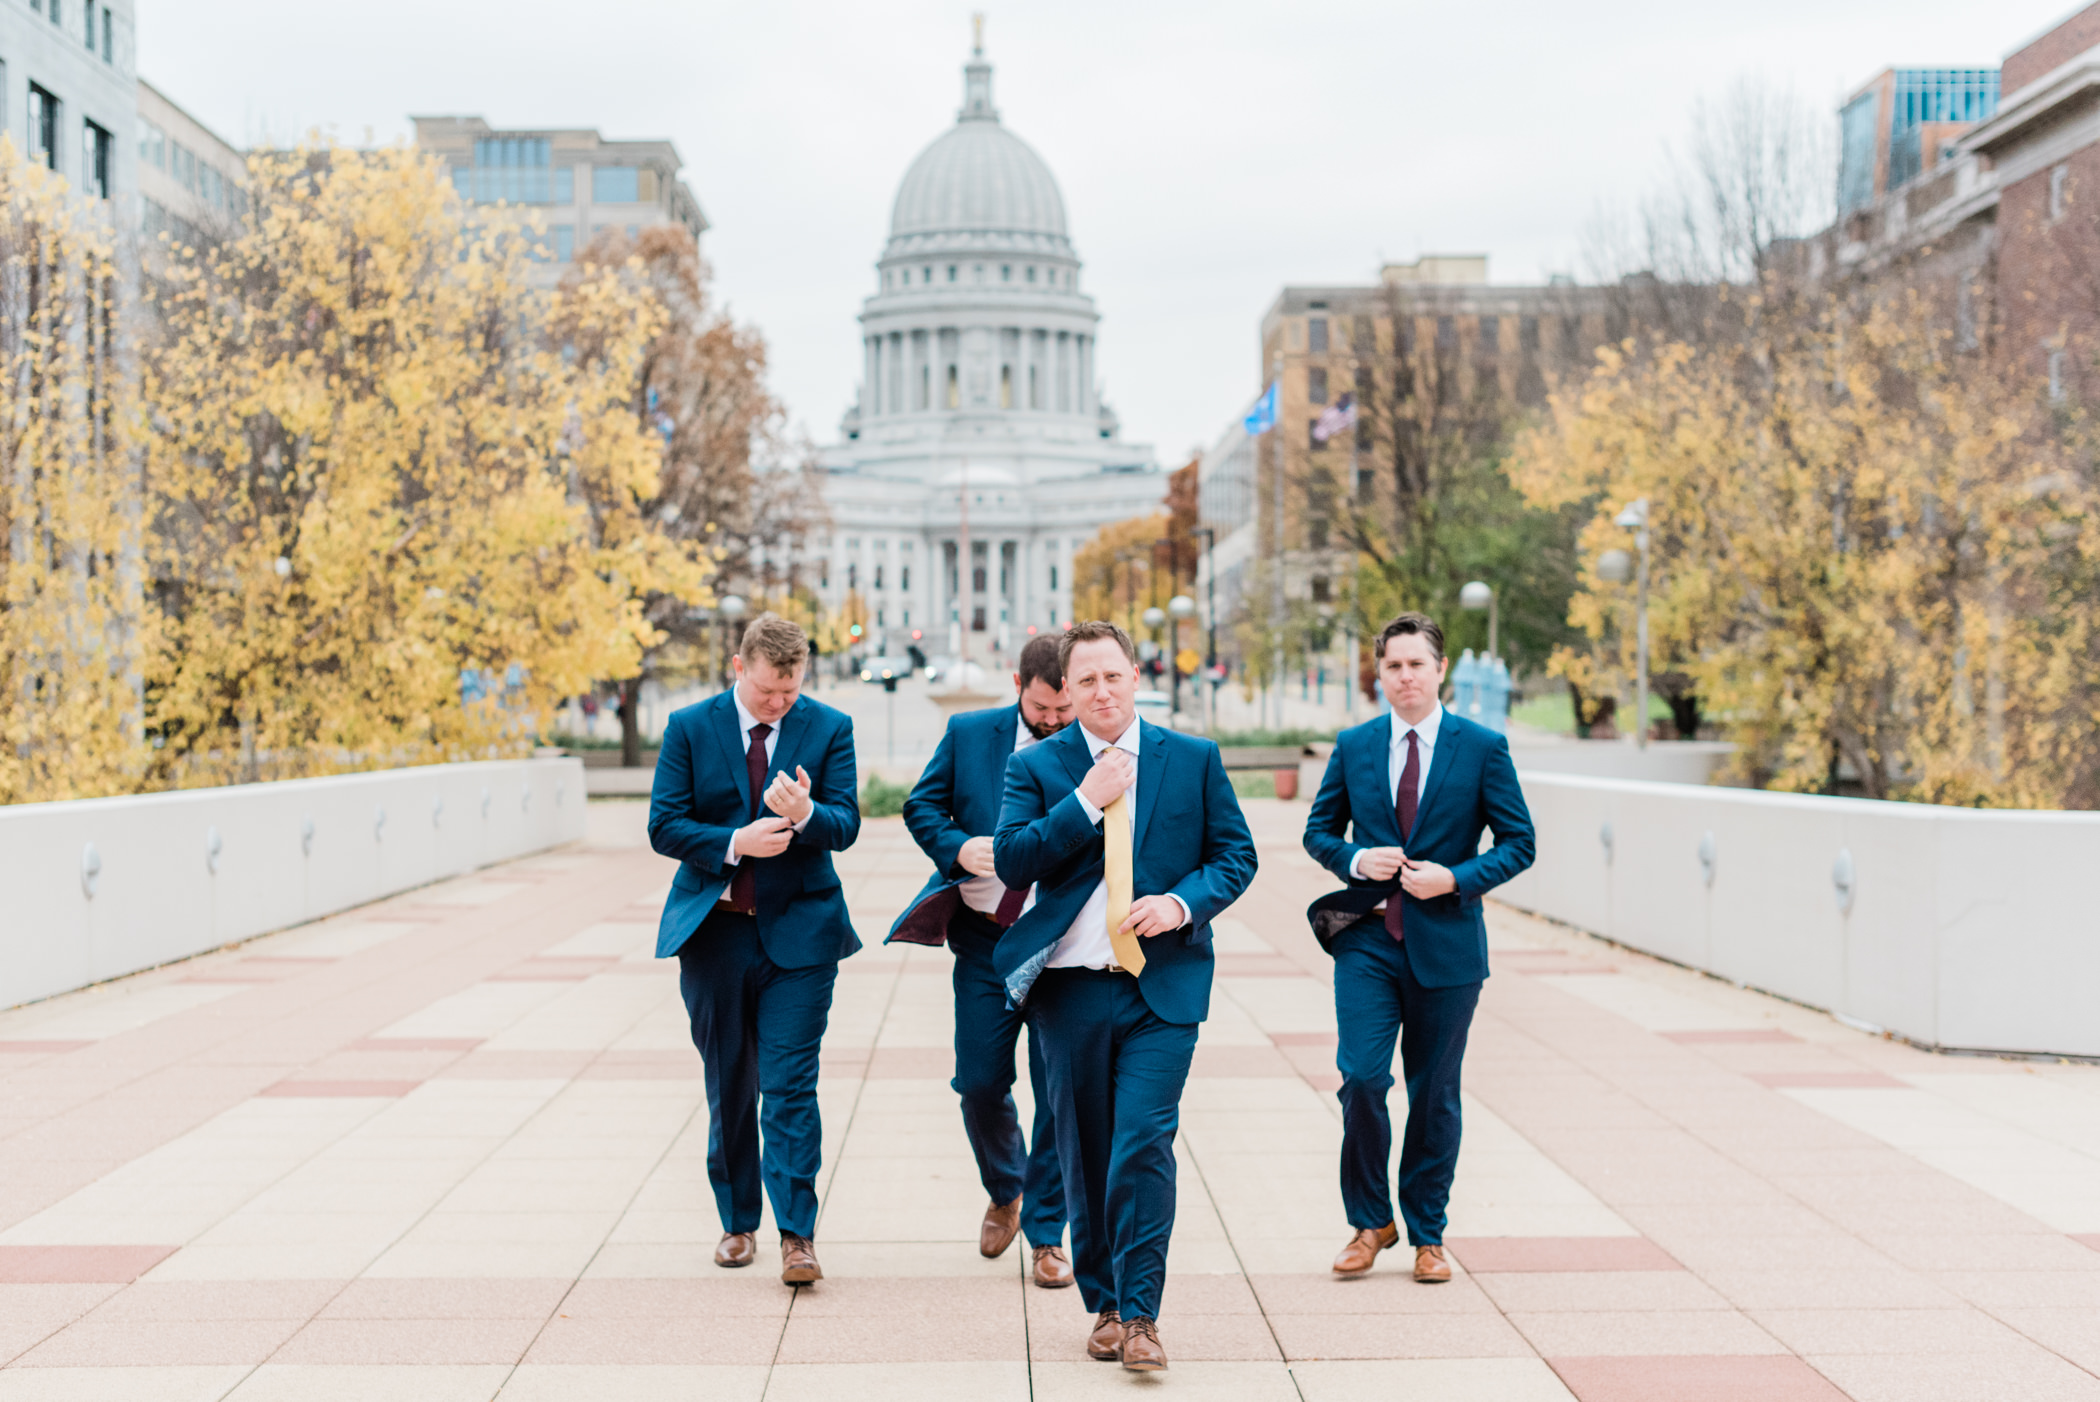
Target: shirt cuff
(729, 858)
(1356, 866)
(1086, 806)
(806, 817)
(1188, 917)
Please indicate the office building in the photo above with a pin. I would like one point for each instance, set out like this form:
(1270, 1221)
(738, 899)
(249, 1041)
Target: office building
(68, 94)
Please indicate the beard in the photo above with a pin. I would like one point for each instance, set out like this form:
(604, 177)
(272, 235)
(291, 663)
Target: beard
(1047, 729)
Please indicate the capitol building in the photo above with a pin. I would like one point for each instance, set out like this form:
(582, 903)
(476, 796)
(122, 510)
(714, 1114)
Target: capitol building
(979, 456)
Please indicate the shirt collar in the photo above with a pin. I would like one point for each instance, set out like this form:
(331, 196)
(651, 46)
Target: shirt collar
(1425, 732)
(1127, 741)
(744, 719)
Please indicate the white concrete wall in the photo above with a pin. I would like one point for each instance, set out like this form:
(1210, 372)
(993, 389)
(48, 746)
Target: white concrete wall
(161, 895)
(1967, 928)
(1661, 762)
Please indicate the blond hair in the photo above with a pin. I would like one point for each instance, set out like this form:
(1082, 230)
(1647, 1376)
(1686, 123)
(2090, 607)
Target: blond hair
(778, 640)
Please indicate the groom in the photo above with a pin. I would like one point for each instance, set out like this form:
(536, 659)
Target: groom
(1134, 842)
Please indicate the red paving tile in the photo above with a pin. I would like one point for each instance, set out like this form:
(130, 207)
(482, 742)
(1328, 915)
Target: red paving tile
(1238, 1062)
(1828, 1080)
(98, 1343)
(447, 1299)
(518, 1066)
(1486, 1254)
(1751, 1378)
(79, 1265)
(409, 1341)
(1726, 1035)
(43, 1048)
(2091, 1239)
(335, 1090)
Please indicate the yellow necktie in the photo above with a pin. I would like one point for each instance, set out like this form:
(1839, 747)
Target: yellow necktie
(1115, 859)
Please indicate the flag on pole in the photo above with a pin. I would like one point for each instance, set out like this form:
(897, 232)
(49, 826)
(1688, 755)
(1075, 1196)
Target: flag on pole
(1339, 415)
(1262, 417)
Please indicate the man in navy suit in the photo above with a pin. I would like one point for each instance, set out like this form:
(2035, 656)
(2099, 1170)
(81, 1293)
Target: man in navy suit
(1407, 936)
(952, 812)
(758, 924)
(1134, 842)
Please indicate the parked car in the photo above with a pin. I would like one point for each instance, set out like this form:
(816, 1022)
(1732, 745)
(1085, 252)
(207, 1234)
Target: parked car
(874, 669)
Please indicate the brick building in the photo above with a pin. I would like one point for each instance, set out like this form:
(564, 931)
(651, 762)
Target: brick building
(1483, 350)
(2004, 226)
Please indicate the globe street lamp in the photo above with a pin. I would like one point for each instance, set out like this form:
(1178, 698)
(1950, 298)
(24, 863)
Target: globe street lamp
(1479, 595)
(729, 610)
(1182, 607)
(1615, 566)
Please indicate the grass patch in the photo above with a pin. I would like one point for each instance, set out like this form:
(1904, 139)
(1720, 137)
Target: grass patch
(1250, 738)
(880, 798)
(1253, 783)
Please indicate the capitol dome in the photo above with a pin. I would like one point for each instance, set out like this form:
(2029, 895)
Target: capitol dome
(979, 185)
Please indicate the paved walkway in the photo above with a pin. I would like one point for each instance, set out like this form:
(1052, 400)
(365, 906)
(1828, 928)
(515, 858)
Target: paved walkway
(450, 1147)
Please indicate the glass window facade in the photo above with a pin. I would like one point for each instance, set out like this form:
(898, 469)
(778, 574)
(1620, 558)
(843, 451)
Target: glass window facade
(615, 185)
(515, 170)
(95, 156)
(43, 126)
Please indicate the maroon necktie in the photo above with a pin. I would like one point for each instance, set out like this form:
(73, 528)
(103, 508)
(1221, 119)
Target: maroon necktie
(1010, 907)
(1404, 808)
(743, 887)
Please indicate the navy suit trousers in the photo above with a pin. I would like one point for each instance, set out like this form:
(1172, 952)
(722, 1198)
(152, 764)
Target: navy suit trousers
(985, 1032)
(758, 1027)
(1376, 1002)
(1116, 1074)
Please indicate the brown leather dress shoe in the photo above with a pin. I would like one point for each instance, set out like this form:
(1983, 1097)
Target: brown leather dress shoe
(1142, 1352)
(1001, 1221)
(798, 1260)
(1432, 1267)
(1106, 1342)
(1363, 1249)
(1052, 1271)
(736, 1249)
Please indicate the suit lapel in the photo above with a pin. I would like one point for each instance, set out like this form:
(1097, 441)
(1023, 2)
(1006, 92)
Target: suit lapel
(1376, 758)
(1073, 751)
(1152, 772)
(794, 726)
(1449, 739)
(730, 737)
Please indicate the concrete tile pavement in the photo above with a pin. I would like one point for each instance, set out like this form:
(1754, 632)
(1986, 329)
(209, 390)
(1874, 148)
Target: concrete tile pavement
(452, 1146)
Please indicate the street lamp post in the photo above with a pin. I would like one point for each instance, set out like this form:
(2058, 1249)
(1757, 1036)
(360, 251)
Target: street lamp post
(1481, 595)
(1181, 607)
(730, 609)
(1616, 566)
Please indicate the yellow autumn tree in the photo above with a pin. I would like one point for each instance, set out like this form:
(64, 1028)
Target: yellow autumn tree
(392, 518)
(71, 626)
(1870, 550)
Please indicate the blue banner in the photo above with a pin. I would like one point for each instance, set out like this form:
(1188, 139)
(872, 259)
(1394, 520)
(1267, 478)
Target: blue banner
(1262, 417)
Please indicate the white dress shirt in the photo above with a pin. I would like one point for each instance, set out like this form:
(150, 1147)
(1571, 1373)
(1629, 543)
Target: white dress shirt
(1086, 945)
(983, 893)
(744, 721)
(1396, 762)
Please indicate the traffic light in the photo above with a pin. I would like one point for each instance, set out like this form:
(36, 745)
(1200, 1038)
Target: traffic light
(854, 631)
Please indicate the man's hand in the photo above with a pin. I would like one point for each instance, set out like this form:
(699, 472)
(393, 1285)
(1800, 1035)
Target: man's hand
(1425, 879)
(1153, 915)
(1379, 863)
(1110, 776)
(976, 857)
(790, 797)
(768, 837)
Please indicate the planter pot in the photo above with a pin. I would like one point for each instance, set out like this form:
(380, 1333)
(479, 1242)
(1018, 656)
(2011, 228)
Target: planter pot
(1287, 783)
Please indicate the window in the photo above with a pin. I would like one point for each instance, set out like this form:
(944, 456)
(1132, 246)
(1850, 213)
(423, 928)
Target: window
(951, 272)
(1316, 335)
(1035, 392)
(615, 185)
(852, 575)
(563, 239)
(1316, 384)
(1447, 333)
(1006, 272)
(153, 146)
(1491, 335)
(1053, 577)
(878, 574)
(954, 389)
(88, 12)
(1528, 332)
(109, 41)
(94, 159)
(2056, 372)
(1031, 274)
(1322, 589)
(977, 616)
(43, 126)
(904, 582)
(1006, 386)
(925, 387)
(926, 273)
(56, 18)
(2059, 176)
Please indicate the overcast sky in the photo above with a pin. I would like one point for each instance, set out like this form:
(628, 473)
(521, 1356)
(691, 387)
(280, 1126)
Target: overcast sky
(1209, 152)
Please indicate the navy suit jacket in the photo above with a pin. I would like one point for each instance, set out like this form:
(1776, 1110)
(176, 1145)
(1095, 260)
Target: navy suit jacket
(1472, 788)
(702, 794)
(1191, 841)
(956, 799)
